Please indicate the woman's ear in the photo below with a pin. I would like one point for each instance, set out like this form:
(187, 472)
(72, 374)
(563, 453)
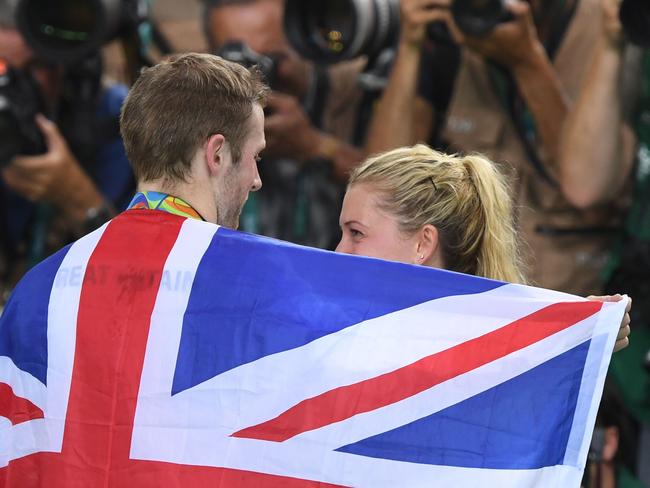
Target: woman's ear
(215, 153)
(427, 246)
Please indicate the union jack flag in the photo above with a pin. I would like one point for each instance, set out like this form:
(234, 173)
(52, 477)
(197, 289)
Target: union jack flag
(163, 351)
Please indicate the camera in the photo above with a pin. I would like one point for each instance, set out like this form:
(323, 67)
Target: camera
(67, 31)
(20, 101)
(69, 34)
(240, 53)
(335, 30)
(635, 18)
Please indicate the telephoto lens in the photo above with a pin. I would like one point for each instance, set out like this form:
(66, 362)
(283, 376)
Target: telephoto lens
(335, 30)
(66, 31)
(328, 31)
(635, 18)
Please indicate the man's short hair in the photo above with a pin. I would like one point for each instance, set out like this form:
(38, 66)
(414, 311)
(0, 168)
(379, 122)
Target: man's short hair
(175, 106)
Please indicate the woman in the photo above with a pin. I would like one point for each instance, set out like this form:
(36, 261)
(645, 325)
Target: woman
(419, 206)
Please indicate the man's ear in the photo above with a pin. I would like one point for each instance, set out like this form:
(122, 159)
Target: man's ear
(216, 150)
(427, 245)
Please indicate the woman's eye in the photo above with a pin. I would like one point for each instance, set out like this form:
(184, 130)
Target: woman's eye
(356, 233)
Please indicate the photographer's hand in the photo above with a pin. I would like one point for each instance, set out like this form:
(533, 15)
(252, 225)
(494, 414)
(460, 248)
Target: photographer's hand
(55, 177)
(516, 46)
(400, 117)
(415, 15)
(513, 44)
(290, 134)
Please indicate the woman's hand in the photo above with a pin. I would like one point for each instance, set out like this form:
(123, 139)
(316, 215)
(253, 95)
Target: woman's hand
(623, 337)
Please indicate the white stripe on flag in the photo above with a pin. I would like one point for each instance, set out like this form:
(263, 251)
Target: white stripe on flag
(449, 392)
(23, 384)
(154, 396)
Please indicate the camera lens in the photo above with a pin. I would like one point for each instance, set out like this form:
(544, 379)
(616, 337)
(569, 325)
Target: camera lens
(67, 30)
(332, 30)
(63, 26)
(340, 29)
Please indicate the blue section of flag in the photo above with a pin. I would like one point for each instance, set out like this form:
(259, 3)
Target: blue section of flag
(253, 297)
(23, 324)
(515, 425)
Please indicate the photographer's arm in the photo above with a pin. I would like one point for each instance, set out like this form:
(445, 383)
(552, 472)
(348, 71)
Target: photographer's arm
(597, 149)
(290, 134)
(55, 177)
(401, 117)
(516, 46)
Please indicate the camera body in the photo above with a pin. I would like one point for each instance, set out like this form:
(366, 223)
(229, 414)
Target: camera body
(635, 18)
(240, 53)
(20, 101)
(66, 33)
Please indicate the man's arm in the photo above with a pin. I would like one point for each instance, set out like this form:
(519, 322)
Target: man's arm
(516, 46)
(290, 134)
(401, 117)
(597, 149)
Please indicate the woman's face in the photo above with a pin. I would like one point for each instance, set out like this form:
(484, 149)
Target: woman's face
(369, 231)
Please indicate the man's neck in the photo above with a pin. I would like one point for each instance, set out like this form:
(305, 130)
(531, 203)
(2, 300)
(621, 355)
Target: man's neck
(200, 201)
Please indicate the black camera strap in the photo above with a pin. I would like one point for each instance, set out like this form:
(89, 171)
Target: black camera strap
(317, 96)
(7, 248)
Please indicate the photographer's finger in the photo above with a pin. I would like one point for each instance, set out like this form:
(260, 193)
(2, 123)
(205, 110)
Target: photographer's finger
(275, 129)
(431, 4)
(29, 164)
(53, 138)
(278, 100)
(27, 187)
(456, 34)
(428, 16)
(517, 8)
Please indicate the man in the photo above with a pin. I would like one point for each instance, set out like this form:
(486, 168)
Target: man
(593, 172)
(509, 99)
(310, 122)
(83, 176)
(193, 128)
(194, 145)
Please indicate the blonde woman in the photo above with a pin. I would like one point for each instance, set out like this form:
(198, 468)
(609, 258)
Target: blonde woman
(420, 206)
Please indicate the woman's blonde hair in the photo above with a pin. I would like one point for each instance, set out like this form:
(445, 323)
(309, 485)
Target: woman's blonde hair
(464, 197)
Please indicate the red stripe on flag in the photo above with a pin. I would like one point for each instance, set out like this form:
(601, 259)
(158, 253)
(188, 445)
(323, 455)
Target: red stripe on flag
(15, 408)
(346, 401)
(112, 331)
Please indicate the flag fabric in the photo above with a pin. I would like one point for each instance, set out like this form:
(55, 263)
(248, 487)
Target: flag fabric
(163, 351)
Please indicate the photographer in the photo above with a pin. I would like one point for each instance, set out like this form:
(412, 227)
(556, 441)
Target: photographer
(510, 96)
(74, 184)
(309, 123)
(596, 160)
